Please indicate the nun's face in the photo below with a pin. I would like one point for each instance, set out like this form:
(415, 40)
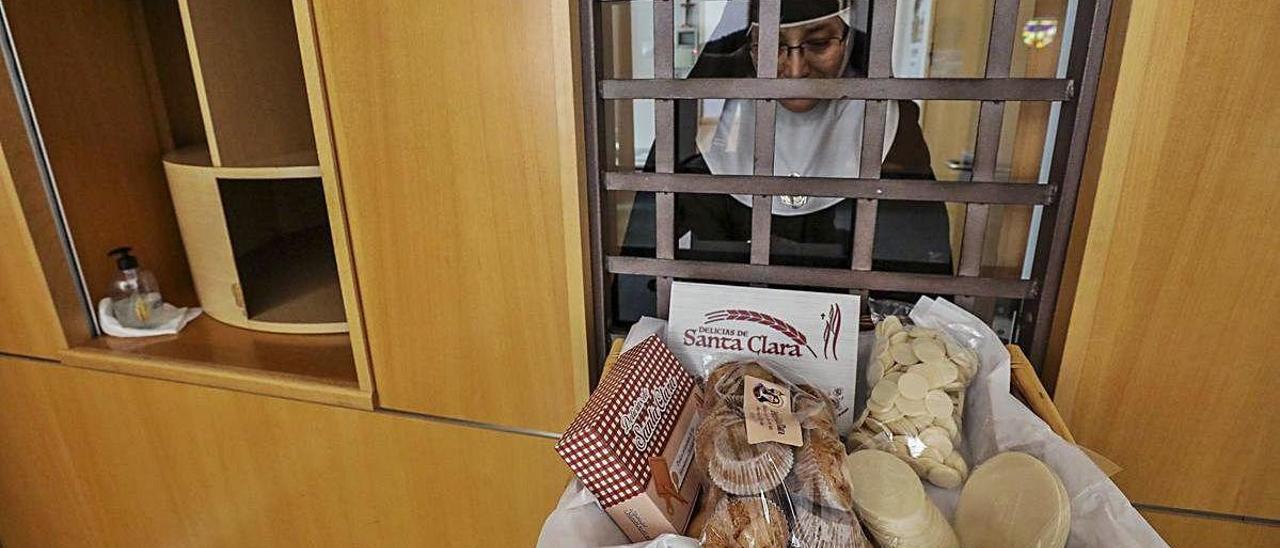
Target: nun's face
(815, 50)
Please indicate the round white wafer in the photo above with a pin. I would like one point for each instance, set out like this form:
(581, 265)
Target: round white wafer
(928, 350)
(1013, 499)
(938, 404)
(913, 386)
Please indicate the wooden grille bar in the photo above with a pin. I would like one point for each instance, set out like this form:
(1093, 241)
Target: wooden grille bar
(823, 277)
(1075, 91)
(873, 122)
(1004, 19)
(837, 187)
(664, 142)
(766, 109)
(593, 115)
(967, 89)
(1089, 36)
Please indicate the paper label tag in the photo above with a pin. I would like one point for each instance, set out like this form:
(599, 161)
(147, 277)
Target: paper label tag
(767, 408)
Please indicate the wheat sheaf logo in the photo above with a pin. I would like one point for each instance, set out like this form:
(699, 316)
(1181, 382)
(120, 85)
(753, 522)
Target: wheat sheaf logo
(760, 344)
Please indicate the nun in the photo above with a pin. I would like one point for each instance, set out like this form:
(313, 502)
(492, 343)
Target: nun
(812, 138)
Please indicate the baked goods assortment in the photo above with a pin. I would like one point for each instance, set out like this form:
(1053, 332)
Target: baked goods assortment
(890, 499)
(918, 378)
(751, 457)
(1013, 499)
(771, 493)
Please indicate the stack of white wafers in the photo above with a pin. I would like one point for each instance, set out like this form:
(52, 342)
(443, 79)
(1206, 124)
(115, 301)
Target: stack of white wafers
(1013, 499)
(918, 378)
(892, 504)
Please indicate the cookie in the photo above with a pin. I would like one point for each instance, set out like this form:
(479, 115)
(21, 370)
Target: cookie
(746, 522)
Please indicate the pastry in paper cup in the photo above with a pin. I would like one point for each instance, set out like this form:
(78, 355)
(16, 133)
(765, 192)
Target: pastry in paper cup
(818, 472)
(814, 409)
(717, 419)
(742, 522)
(820, 527)
(741, 468)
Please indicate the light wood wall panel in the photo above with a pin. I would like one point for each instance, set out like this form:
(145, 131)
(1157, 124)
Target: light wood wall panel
(1189, 531)
(99, 459)
(458, 153)
(1168, 362)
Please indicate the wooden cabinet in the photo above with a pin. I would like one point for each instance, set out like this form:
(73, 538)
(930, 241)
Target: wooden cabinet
(456, 140)
(1168, 366)
(216, 89)
(100, 459)
(450, 151)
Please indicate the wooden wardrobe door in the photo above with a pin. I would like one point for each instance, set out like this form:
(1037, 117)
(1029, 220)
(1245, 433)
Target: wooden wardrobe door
(455, 130)
(100, 459)
(28, 323)
(1169, 362)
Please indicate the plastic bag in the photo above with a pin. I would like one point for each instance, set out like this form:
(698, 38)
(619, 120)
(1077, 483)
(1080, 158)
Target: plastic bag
(996, 422)
(918, 377)
(772, 494)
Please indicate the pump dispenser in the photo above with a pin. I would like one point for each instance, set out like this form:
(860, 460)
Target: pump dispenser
(135, 295)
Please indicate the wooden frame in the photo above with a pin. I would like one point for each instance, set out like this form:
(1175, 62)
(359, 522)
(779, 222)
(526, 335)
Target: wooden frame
(1075, 92)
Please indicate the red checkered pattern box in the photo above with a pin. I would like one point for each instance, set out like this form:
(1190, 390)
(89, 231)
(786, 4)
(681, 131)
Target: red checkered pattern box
(640, 410)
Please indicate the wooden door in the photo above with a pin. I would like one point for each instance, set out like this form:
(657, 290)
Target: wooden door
(455, 132)
(102, 459)
(1169, 362)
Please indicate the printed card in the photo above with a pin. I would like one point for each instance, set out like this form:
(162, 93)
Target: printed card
(813, 336)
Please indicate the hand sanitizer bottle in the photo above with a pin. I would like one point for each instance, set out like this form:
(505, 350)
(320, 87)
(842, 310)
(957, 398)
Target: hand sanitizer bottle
(135, 295)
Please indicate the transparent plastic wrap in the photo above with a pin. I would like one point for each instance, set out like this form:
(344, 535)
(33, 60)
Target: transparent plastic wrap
(918, 378)
(769, 493)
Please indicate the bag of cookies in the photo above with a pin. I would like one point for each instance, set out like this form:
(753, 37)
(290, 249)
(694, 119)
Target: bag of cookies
(915, 410)
(774, 462)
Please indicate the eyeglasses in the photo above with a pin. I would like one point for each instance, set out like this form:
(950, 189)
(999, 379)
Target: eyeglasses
(816, 49)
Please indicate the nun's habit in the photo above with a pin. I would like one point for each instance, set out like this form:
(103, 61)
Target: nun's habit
(823, 142)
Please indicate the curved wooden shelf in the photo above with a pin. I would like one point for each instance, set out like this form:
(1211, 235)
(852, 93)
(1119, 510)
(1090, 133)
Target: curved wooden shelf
(257, 265)
(196, 159)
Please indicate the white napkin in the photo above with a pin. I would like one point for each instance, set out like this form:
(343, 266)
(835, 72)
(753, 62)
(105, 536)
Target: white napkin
(173, 320)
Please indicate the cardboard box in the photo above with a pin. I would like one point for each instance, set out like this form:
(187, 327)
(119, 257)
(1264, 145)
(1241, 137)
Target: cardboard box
(632, 444)
(805, 333)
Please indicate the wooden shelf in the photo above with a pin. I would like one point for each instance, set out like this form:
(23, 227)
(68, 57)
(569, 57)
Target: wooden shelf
(294, 280)
(249, 79)
(302, 163)
(317, 368)
(259, 242)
